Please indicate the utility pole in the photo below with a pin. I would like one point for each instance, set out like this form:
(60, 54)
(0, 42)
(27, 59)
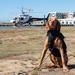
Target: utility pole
(29, 11)
(23, 11)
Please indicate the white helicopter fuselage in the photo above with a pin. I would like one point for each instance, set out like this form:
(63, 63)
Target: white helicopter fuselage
(21, 19)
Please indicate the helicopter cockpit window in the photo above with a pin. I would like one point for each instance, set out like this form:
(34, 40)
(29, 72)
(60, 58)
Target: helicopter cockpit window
(22, 18)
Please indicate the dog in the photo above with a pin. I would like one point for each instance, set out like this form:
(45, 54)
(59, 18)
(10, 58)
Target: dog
(55, 43)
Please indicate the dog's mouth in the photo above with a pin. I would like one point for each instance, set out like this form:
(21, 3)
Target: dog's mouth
(53, 27)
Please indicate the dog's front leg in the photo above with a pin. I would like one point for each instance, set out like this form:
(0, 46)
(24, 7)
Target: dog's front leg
(43, 52)
(65, 68)
(62, 57)
(59, 45)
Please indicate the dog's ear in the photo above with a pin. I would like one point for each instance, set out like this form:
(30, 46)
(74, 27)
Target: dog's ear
(47, 25)
(58, 26)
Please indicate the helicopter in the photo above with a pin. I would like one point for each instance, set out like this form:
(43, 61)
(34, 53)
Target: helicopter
(25, 18)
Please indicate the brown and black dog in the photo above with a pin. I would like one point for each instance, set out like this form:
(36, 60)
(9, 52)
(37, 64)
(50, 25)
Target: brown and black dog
(55, 43)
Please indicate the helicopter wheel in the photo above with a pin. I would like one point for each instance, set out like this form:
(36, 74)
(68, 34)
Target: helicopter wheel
(17, 24)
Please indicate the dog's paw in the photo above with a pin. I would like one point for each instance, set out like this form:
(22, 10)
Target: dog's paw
(66, 69)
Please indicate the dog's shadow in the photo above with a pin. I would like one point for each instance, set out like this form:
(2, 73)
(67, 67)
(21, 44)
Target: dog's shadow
(71, 66)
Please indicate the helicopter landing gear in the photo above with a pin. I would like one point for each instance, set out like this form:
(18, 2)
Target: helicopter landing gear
(18, 24)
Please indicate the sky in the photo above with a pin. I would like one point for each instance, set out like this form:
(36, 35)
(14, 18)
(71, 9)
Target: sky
(11, 8)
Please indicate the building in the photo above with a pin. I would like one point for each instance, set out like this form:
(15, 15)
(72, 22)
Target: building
(56, 15)
(66, 19)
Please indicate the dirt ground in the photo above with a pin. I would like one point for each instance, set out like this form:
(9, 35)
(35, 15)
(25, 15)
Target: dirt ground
(23, 58)
(25, 64)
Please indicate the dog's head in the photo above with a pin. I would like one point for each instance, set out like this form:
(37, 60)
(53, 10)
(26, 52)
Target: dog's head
(53, 24)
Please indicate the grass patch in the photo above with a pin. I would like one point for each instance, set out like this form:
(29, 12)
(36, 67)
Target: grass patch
(15, 42)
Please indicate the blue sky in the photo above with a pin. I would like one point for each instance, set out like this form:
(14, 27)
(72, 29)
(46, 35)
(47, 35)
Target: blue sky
(12, 8)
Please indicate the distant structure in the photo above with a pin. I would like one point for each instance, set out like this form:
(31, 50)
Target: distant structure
(25, 19)
(66, 19)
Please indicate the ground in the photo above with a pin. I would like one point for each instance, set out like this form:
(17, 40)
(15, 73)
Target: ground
(20, 52)
(25, 64)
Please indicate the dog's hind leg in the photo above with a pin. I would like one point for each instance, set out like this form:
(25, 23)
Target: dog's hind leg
(56, 60)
